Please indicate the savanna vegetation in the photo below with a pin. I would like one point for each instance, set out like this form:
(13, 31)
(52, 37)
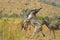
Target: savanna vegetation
(10, 26)
(10, 18)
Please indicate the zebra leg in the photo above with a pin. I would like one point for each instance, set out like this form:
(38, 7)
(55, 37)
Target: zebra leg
(34, 32)
(22, 26)
(25, 27)
(54, 34)
(50, 31)
(40, 30)
(43, 34)
(37, 36)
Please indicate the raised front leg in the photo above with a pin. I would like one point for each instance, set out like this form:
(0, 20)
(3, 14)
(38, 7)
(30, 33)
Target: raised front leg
(26, 27)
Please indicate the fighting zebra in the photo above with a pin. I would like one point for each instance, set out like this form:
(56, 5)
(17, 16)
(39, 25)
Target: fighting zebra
(34, 22)
(52, 26)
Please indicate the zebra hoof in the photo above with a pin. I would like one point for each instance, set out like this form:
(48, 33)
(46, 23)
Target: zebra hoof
(43, 35)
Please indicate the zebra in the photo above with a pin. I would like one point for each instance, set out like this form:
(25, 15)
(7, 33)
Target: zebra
(34, 22)
(26, 18)
(24, 24)
(52, 26)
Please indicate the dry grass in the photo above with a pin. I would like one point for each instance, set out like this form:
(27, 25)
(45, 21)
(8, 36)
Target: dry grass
(10, 30)
(15, 6)
(10, 27)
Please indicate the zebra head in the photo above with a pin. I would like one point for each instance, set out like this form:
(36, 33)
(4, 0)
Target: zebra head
(34, 11)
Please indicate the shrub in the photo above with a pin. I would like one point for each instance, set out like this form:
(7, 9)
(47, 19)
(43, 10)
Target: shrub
(53, 4)
(57, 17)
(40, 17)
(5, 15)
(14, 15)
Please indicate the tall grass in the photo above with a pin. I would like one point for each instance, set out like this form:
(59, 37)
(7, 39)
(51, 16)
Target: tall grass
(9, 29)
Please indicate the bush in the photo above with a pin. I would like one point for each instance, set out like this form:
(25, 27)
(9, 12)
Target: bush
(57, 17)
(14, 15)
(5, 15)
(40, 17)
(53, 4)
